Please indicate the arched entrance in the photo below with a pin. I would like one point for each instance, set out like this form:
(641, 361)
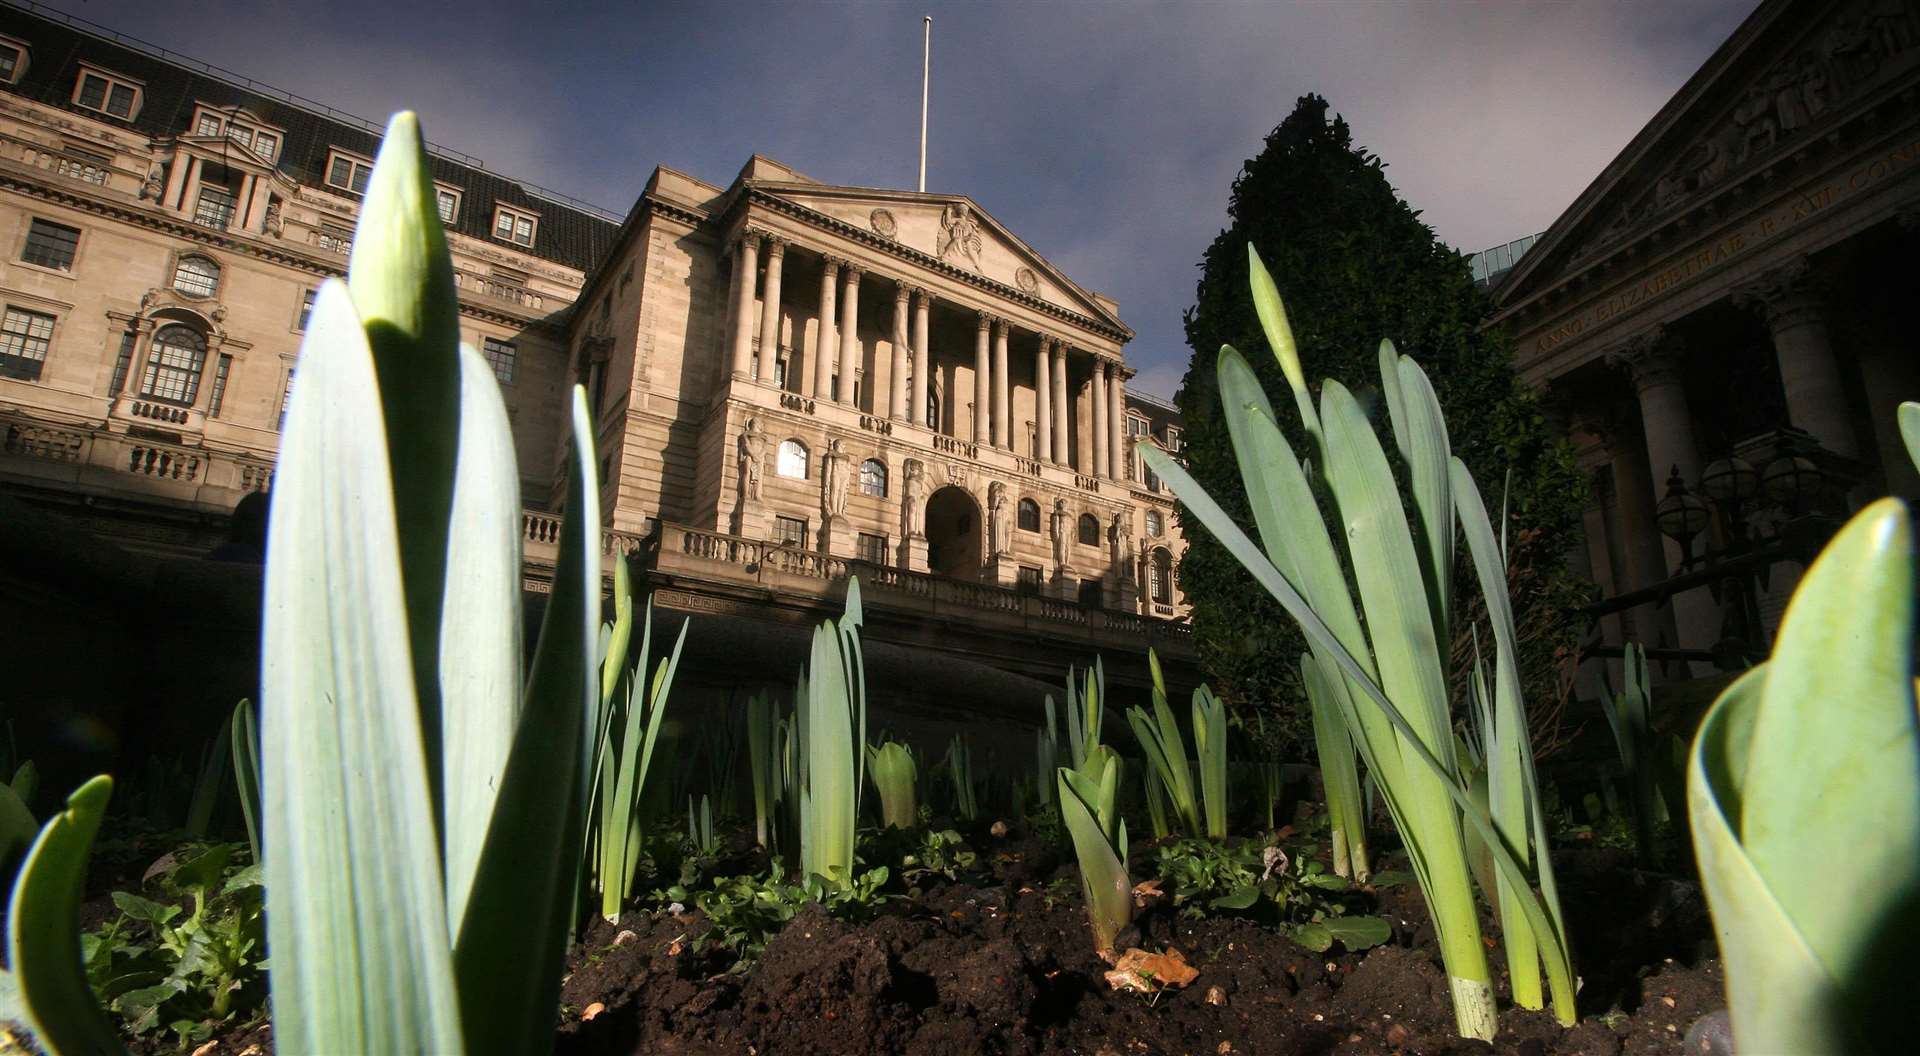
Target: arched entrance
(953, 534)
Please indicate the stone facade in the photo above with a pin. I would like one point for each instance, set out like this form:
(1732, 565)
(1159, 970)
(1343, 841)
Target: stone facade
(1733, 293)
(752, 352)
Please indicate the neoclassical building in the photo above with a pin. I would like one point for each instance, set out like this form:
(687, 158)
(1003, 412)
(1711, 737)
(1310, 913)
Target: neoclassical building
(794, 382)
(1726, 316)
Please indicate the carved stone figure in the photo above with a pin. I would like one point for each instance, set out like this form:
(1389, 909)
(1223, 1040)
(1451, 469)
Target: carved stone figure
(1845, 49)
(1670, 188)
(1790, 109)
(151, 189)
(1813, 87)
(913, 501)
(883, 223)
(753, 457)
(1061, 529)
(960, 241)
(1028, 282)
(1720, 153)
(1755, 117)
(273, 219)
(1120, 538)
(1890, 24)
(834, 470)
(999, 539)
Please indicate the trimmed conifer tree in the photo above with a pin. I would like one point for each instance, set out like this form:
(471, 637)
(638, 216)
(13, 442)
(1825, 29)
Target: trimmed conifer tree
(1356, 264)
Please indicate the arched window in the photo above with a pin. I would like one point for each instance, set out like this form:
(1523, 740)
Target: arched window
(1029, 515)
(173, 365)
(873, 478)
(1160, 577)
(196, 276)
(793, 460)
(1089, 530)
(1154, 525)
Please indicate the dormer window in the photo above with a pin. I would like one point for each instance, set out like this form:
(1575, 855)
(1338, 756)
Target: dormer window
(448, 201)
(107, 93)
(207, 125)
(348, 173)
(238, 127)
(513, 225)
(266, 144)
(13, 61)
(1173, 439)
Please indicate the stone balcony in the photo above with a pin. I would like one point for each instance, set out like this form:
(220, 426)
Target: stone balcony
(701, 570)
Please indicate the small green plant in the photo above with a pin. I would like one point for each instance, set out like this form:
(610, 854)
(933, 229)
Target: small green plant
(700, 827)
(746, 911)
(1294, 893)
(1088, 806)
(960, 768)
(246, 770)
(764, 765)
(831, 733)
(1166, 752)
(896, 778)
(164, 968)
(44, 989)
(1339, 770)
(1804, 790)
(939, 852)
(1046, 750)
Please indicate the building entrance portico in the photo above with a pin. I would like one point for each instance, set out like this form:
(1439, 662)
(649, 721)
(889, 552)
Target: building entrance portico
(953, 534)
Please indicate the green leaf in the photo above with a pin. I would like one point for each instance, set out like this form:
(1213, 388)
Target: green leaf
(1087, 809)
(144, 909)
(480, 637)
(1909, 415)
(1314, 936)
(355, 891)
(43, 927)
(1241, 897)
(1358, 933)
(246, 770)
(513, 936)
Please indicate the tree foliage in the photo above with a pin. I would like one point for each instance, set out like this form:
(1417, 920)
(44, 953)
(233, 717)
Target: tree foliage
(1356, 264)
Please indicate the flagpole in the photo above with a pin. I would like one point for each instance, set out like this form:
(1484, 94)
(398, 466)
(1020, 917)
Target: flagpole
(926, 70)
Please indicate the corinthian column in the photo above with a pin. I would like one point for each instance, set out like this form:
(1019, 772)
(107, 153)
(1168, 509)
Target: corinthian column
(770, 310)
(982, 391)
(1100, 459)
(1062, 448)
(849, 332)
(1790, 300)
(1043, 400)
(897, 378)
(922, 361)
(1119, 455)
(823, 345)
(746, 261)
(1002, 428)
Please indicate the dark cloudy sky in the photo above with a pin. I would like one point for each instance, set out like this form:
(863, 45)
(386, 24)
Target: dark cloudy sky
(1106, 134)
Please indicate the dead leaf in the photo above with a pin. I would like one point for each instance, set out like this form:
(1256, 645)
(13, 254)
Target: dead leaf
(1147, 973)
(674, 947)
(208, 1049)
(592, 1010)
(1146, 893)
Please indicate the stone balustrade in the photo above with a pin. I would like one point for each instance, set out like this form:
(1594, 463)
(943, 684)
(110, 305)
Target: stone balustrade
(688, 554)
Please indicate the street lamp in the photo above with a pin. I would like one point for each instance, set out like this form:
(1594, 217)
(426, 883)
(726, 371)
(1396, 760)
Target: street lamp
(1680, 515)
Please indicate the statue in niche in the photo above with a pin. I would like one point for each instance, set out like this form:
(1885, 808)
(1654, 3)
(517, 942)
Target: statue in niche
(753, 456)
(1060, 528)
(913, 501)
(998, 541)
(833, 480)
(1120, 539)
(960, 241)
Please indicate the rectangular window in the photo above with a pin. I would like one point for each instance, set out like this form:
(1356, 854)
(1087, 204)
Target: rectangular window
(265, 144)
(208, 125)
(306, 309)
(215, 208)
(1029, 581)
(24, 337)
(334, 238)
(173, 370)
(107, 95)
(241, 135)
(449, 202)
(501, 354)
(871, 548)
(120, 364)
(790, 531)
(348, 173)
(510, 225)
(219, 392)
(51, 245)
(1173, 439)
(1091, 595)
(12, 58)
(286, 393)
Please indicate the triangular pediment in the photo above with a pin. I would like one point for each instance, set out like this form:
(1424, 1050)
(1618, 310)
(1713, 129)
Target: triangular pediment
(954, 230)
(1785, 79)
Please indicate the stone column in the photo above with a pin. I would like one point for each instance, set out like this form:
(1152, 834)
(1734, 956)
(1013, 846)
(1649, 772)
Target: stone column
(1062, 448)
(897, 378)
(1002, 426)
(1043, 400)
(1653, 360)
(746, 262)
(982, 391)
(770, 310)
(1119, 454)
(922, 361)
(825, 342)
(849, 332)
(190, 194)
(1790, 299)
(1100, 459)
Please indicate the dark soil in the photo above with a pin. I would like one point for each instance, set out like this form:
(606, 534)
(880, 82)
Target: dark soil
(999, 966)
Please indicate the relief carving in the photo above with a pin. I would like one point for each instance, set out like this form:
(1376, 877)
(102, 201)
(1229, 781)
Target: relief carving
(883, 223)
(913, 501)
(1028, 282)
(960, 241)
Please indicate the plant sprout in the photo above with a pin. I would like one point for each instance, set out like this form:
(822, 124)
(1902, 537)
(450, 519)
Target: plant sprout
(831, 709)
(1339, 772)
(1087, 805)
(894, 777)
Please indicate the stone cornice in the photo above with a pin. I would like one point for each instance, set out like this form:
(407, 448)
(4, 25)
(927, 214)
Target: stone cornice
(931, 263)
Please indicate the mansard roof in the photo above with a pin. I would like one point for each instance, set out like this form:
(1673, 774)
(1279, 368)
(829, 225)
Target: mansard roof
(570, 233)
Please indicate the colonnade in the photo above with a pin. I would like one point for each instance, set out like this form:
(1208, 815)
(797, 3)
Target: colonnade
(1103, 380)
